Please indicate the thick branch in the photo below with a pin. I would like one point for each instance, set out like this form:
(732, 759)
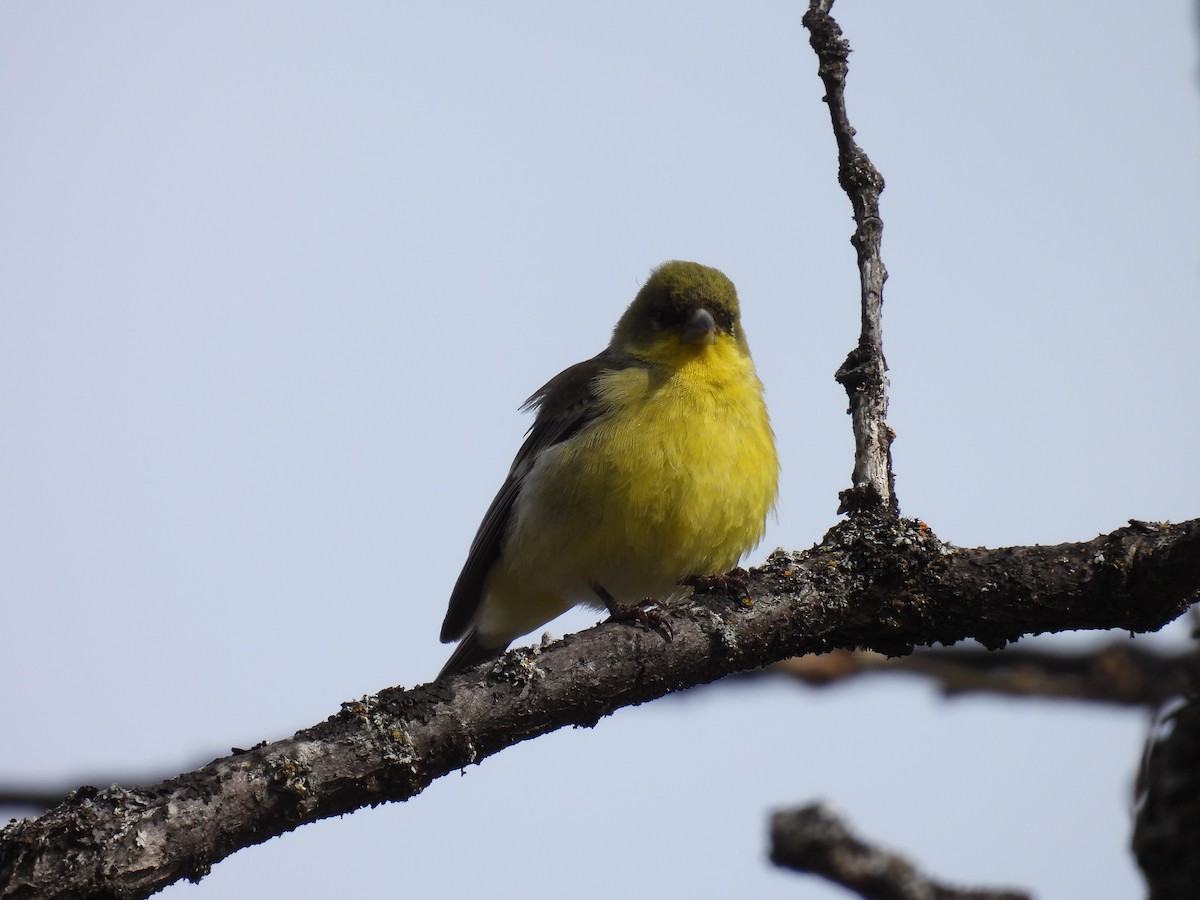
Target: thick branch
(1119, 672)
(814, 840)
(862, 374)
(886, 586)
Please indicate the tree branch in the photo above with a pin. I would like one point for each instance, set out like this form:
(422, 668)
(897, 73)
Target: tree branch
(862, 374)
(1119, 672)
(886, 585)
(814, 840)
(1167, 825)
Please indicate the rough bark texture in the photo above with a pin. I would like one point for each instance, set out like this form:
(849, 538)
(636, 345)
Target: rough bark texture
(814, 840)
(885, 585)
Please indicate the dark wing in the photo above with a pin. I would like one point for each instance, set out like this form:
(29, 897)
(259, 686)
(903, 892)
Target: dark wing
(565, 404)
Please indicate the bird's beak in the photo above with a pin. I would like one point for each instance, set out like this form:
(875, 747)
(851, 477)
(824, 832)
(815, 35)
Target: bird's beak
(700, 328)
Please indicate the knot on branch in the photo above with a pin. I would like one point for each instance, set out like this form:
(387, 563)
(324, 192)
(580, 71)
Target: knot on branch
(825, 37)
(887, 558)
(863, 368)
(858, 175)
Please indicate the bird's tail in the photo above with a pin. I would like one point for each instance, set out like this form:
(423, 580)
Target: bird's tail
(469, 652)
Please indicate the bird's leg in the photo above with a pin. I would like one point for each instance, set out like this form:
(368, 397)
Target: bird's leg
(636, 612)
(735, 581)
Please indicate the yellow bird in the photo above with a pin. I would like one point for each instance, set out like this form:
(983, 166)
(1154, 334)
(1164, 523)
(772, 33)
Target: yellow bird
(648, 465)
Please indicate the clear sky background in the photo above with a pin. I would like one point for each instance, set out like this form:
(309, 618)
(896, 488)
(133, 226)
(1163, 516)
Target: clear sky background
(275, 276)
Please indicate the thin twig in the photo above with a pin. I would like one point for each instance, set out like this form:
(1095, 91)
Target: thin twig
(862, 374)
(814, 840)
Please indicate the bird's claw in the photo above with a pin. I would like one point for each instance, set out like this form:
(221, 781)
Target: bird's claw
(646, 611)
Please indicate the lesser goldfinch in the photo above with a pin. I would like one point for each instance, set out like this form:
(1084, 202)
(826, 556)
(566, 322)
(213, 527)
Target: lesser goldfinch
(647, 465)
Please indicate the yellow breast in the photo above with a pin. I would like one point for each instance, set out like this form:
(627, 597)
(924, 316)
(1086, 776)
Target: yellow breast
(674, 478)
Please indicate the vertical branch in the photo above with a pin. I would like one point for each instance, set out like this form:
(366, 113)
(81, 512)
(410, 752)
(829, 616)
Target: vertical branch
(862, 374)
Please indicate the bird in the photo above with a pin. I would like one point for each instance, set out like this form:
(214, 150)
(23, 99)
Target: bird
(647, 467)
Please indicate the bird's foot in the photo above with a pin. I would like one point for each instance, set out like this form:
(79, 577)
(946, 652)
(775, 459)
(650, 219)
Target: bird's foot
(735, 581)
(647, 611)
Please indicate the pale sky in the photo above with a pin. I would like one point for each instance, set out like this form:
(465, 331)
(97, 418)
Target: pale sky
(276, 276)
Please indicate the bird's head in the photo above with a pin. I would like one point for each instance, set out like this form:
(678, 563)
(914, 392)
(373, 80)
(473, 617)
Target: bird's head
(682, 309)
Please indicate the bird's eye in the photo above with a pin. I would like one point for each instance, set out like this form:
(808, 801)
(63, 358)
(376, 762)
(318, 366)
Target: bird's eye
(723, 318)
(669, 316)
